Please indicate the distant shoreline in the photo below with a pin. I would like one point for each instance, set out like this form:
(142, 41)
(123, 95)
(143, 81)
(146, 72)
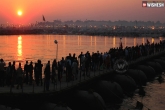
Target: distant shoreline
(73, 32)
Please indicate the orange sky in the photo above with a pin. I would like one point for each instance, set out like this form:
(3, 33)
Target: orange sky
(77, 10)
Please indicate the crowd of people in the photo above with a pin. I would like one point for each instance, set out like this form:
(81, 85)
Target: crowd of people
(71, 65)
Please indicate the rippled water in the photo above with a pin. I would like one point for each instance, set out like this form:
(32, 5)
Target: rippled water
(154, 99)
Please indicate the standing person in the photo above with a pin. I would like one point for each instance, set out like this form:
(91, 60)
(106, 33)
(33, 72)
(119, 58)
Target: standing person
(26, 70)
(76, 60)
(63, 66)
(9, 74)
(13, 74)
(93, 61)
(36, 73)
(2, 72)
(69, 71)
(59, 71)
(86, 62)
(19, 76)
(31, 73)
(74, 57)
(47, 75)
(83, 60)
(80, 57)
(74, 69)
(39, 66)
(54, 68)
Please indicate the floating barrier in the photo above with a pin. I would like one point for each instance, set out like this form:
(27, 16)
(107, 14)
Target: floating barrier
(127, 83)
(139, 76)
(88, 100)
(111, 92)
(149, 71)
(156, 66)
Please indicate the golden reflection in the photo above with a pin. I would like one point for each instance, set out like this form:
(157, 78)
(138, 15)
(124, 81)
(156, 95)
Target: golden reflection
(143, 40)
(160, 38)
(78, 40)
(134, 41)
(95, 43)
(91, 40)
(152, 40)
(114, 42)
(19, 48)
(95, 40)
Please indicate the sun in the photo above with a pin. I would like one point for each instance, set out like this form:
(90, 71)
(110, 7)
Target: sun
(19, 13)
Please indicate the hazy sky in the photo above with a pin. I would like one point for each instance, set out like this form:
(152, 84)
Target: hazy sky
(77, 10)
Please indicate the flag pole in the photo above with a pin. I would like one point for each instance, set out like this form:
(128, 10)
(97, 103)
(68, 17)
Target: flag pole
(44, 21)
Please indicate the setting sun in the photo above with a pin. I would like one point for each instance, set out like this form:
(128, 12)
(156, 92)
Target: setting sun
(19, 13)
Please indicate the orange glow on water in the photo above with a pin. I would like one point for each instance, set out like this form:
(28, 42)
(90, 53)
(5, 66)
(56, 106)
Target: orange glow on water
(114, 42)
(134, 41)
(19, 48)
(34, 47)
(152, 40)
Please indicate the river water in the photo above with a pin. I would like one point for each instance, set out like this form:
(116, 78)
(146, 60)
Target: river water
(20, 48)
(154, 99)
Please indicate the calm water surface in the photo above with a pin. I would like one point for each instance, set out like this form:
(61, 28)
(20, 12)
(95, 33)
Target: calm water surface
(154, 99)
(20, 48)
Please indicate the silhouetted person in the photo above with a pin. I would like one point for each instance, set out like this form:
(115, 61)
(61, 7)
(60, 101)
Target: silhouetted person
(13, 74)
(36, 73)
(31, 73)
(62, 62)
(54, 68)
(69, 71)
(26, 70)
(60, 68)
(19, 76)
(87, 63)
(9, 74)
(74, 69)
(80, 57)
(2, 72)
(47, 75)
(39, 66)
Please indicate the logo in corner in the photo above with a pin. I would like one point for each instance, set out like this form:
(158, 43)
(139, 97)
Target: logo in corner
(120, 66)
(144, 4)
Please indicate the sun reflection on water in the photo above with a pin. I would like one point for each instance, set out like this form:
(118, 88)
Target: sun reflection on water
(134, 41)
(152, 40)
(19, 48)
(114, 42)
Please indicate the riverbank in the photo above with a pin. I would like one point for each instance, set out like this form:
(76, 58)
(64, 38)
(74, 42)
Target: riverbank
(154, 99)
(22, 31)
